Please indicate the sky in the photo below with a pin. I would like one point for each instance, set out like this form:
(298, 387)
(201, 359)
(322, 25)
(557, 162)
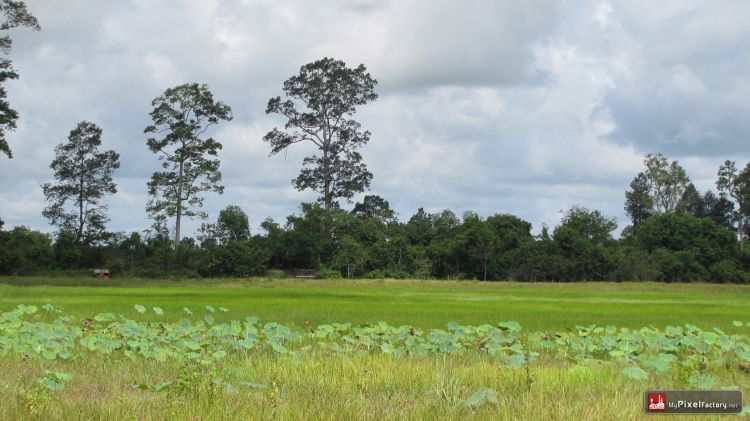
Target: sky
(526, 108)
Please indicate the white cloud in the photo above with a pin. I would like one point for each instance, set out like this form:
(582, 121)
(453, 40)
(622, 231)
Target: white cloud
(518, 107)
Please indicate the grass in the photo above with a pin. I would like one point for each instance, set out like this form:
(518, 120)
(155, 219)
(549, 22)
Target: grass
(321, 385)
(331, 387)
(427, 304)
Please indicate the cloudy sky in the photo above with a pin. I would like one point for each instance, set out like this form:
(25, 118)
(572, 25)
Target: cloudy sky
(512, 107)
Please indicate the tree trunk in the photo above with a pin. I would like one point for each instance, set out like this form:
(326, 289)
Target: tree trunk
(79, 234)
(742, 233)
(179, 208)
(326, 181)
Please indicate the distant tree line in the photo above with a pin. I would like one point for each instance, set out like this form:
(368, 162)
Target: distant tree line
(695, 242)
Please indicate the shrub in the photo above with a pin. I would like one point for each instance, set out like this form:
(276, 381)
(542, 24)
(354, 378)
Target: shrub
(328, 273)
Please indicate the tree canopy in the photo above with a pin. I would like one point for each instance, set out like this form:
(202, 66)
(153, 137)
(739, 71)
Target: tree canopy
(318, 105)
(181, 117)
(83, 177)
(736, 185)
(13, 14)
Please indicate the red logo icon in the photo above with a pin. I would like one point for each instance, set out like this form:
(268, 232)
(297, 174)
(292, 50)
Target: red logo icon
(657, 402)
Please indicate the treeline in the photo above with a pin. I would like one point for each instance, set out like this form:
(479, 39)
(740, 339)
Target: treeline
(370, 242)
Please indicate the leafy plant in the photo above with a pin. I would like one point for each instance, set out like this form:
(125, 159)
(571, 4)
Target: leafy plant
(481, 397)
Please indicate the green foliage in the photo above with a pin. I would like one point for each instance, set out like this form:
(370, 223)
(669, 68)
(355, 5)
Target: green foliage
(635, 373)
(374, 206)
(638, 202)
(736, 185)
(14, 14)
(582, 238)
(481, 397)
(319, 103)
(68, 250)
(23, 251)
(83, 177)
(685, 245)
(350, 256)
(53, 380)
(236, 258)
(183, 114)
(645, 352)
(232, 224)
(666, 182)
(327, 273)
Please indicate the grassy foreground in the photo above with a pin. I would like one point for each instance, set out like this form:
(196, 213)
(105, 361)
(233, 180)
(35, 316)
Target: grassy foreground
(324, 385)
(427, 304)
(333, 387)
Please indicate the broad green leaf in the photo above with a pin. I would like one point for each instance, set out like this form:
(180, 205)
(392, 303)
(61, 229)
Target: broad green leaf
(162, 386)
(516, 361)
(105, 317)
(51, 384)
(158, 310)
(481, 397)
(702, 380)
(139, 308)
(737, 323)
(660, 366)
(510, 326)
(192, 345)
(187, 310)
(27, 309)
(635, 373)
(59, 375)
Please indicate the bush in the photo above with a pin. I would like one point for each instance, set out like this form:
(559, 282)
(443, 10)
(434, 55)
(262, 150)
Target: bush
(727, 271)
(398, 274)
(23, 251)
(237, 258)
(328, 273)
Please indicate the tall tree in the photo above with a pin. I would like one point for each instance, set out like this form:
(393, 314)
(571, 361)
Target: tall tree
(691, 203)
(374, 206)
(737, 186)
(590, 224)
(667, 182)
(719, 209)
(232, 224)
(638, 203)
(14, 14)
(83, 176)
(479, 242)
(182, 116)
(318, 107)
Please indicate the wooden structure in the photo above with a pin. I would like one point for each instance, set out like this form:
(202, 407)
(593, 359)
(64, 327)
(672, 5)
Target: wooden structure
(300, 273)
